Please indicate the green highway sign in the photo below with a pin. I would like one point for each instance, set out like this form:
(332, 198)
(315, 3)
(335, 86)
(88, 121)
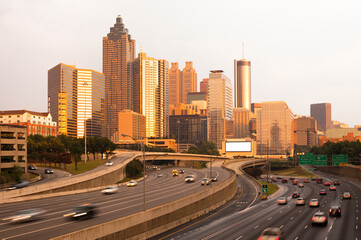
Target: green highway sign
(310, 169)
(320, 160)
(306, 159)
(264, 188)
(338, 159)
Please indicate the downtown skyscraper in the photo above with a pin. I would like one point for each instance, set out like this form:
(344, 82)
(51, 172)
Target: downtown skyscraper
(242, 84)
(322, 113)
(118, 52)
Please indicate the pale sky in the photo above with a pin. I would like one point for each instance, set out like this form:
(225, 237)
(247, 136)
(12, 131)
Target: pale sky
(301, 52)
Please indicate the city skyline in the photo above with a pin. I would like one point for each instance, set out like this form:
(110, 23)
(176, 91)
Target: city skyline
(299, 55)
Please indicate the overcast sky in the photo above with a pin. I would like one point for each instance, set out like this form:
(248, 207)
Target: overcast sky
(301, 52)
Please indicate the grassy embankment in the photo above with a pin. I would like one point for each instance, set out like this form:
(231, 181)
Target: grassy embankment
(82, 167)
(297, 171)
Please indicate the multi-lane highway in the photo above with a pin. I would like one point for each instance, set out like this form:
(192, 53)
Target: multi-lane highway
(243, 219)
(127, 200)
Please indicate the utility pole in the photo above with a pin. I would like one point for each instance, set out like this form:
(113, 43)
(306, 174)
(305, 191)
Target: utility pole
(85, 84)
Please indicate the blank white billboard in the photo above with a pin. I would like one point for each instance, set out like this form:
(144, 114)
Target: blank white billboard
(238, 146)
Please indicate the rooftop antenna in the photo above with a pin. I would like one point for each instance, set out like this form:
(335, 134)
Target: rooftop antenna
(243, 49)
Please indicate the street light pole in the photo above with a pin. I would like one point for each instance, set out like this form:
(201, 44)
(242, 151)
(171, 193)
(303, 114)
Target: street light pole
(85, 84)
(178, 122)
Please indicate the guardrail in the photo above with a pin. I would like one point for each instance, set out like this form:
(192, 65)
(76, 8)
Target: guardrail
(154, 221)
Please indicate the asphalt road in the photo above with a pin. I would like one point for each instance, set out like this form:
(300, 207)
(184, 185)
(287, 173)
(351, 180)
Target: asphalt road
(128, 200)
(247, 221)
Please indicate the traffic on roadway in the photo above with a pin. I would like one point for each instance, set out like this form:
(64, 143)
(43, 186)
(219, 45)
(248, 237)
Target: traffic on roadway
(53, 215)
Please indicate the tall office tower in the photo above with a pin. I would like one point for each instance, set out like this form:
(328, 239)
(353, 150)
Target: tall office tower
(241, 118)
(242, 84)
(204, 85)
(322, 113)
(305, 131)
(174, 84)
(149, 77)
(189, 81)
(181, 83)
(75, 96)
(219, 106)
(118, 51)
(275, 134)
(131, 124)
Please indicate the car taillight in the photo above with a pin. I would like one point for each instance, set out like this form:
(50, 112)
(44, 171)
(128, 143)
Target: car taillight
(330, 210)
(313, 219)
(339, 210)
(260, 238)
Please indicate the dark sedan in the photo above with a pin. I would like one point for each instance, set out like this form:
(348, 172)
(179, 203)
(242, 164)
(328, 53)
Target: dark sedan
(49, 171)
(335, 211)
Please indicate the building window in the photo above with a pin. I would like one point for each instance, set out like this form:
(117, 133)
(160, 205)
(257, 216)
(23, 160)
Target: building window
(18, 121)
(18, 116)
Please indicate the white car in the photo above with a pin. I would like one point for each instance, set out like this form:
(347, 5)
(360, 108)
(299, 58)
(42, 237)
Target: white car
(109, 163)
(189, 178)
(300, 201)
(205, 181)
(25, 215)
(160, 175)
(110, 190)
(132, 183)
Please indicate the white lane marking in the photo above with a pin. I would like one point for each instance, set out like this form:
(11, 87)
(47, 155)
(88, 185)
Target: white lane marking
(305, 226)
(291, 218)
(38, 230)
(281, 226)
(269, 218)
(299, 211)
(239, 237)
(356, 218)
(356, 226)
(256, 227)
(296, 238)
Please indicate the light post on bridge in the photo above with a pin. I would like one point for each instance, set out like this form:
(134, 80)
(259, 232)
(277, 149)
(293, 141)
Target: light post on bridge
(143, 153)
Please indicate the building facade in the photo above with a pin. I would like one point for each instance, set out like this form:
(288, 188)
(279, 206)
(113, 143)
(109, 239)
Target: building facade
(181, 83)
(13, 151)
(76, 100)
(241, 128)
(149, 77)
(203, 85)
(242, 84)
(132, 124)
(118, 51)
(219, 106)
(322, 113)
(305, 131)
(275, 129)
(35, 122)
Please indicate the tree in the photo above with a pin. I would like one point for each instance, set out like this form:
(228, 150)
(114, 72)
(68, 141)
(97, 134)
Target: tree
(76, 149)
(134, 168)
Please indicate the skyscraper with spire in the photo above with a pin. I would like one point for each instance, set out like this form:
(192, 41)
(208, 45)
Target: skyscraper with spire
(118, 51)
(242, 84)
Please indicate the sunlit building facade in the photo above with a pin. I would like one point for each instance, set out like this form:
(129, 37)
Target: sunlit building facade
(149, 78)
(131, 124)
(76, 96)
(305, 131)
(241, 118)
(242, 84)
(118, 52)
(322, 113)
(275, 129)
(219, 106)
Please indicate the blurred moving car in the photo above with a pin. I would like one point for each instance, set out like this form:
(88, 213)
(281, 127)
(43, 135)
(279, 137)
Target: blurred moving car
(335, 211)
(284, 180)
(332, 188)
(175, 172)
(264, 197)
(336, 182)
(319, 218)
(300, 202)
(189, 178)
(295, 194)
(313, 202)
(327, 184)
(319, 180)
(346, 195)
(160, 175)
(21, 184)
(306, 180)
(82, 212)
(271, 234)
(32, 167)
(295, 182)
(25, 215)
(281, 200)
(109, 163)
(323, 192)
(205, 181)
(214, 179)
(132, 183)
(110, 190)
(48, 171)
(181, 171)
(301, 185)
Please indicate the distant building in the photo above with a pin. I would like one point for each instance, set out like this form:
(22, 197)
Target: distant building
(242, 84)
(196, 96)
(35, 122)
(275, 130)
(75, 97)
(337, 124)
(340, 132)
(132, 124)
(241, 118)
(219, 106)
(118, 52)
(181, 83)
(305, 131)
(204, 85)
(322, 113)
(13, 151)
(349, 137)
